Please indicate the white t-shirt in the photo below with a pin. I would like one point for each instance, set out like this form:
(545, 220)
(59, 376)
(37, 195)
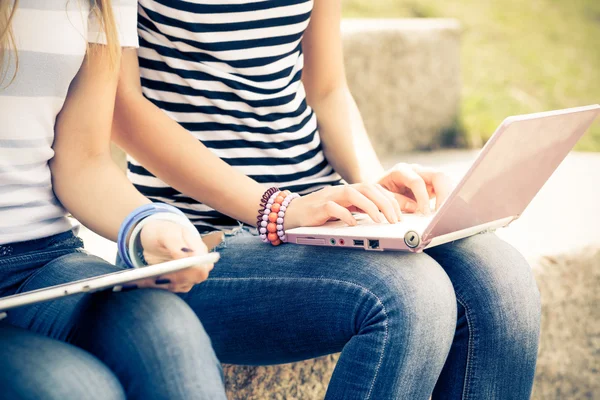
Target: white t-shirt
(51, 39)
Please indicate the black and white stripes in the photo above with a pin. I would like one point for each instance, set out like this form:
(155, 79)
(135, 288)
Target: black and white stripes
(229, 71)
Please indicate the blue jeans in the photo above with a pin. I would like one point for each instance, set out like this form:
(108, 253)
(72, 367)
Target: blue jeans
(147, 344)
(461, 321)
(35, 367)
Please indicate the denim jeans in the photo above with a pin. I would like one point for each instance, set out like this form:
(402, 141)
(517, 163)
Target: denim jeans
(460, 321)
(148, 344)
(35, 367)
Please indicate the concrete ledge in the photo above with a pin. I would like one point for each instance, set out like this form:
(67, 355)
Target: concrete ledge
(301, 380)
(405, 77)
(568, 363)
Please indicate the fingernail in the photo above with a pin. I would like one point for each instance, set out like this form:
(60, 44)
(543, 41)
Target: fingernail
(186, 250)
(162, 281)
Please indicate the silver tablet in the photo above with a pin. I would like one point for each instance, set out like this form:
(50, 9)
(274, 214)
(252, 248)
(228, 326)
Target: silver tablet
(114, 281)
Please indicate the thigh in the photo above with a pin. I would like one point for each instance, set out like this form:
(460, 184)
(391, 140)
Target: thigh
(487, 272)
(265, 304)
(36, 367)
(57, 318)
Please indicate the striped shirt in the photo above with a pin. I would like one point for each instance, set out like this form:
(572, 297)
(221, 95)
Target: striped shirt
(229, 71)
(51, 40)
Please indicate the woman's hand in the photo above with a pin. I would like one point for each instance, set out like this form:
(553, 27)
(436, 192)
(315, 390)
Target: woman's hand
(414, 186)
(165, 241)
(338, 202)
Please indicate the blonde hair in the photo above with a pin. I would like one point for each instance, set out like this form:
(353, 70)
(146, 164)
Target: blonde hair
(103, 10)
(7, 40)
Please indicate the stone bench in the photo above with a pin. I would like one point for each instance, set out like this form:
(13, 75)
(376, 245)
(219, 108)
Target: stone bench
(405, 77)
(304, 380)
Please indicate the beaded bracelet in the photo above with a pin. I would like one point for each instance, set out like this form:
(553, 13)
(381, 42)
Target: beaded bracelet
(281, 215)
(263, 203)
(264, 227)
(270, 226)
(260, 226)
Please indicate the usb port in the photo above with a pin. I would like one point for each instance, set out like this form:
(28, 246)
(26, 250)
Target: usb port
(360, 243)
(374, 244)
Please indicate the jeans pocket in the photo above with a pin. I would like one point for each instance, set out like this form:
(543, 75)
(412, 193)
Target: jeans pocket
(15, 270)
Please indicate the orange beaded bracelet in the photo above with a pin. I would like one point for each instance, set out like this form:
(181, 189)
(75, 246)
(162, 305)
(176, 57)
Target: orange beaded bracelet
(270, 224)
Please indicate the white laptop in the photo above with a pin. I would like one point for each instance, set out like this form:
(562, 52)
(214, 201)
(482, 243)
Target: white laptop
(115, 281)
(509, 171)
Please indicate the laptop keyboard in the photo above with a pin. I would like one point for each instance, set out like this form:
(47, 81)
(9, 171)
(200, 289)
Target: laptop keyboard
(417, 218)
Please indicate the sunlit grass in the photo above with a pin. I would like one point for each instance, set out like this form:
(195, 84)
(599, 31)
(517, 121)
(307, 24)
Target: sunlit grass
(518, 56)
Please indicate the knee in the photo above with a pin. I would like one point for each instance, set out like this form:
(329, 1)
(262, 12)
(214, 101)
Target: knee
(35, 367)
(418, 300)
(157, 313)
(501, 295)
(146, 324)
(77, 378)
(513, 306)
(155, 344)
(161, 314)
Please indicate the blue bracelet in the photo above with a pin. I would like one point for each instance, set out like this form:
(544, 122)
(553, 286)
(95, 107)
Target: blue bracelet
(132, 220)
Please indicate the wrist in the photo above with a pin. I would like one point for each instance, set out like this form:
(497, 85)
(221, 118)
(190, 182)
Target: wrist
(132, 221)
(374, 174)
(272, 216)
(138, 240)
(371, 174)
(292, 216)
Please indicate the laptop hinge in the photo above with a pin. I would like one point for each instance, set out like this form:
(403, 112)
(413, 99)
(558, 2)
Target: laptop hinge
(449, 237)
(516, 217)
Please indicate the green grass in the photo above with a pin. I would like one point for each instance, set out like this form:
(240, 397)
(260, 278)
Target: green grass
(518, 56)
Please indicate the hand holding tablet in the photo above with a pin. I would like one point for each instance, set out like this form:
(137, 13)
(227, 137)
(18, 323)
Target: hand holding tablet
(157, 233)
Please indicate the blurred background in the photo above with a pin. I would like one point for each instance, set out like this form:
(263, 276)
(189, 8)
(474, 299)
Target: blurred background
(516, 56)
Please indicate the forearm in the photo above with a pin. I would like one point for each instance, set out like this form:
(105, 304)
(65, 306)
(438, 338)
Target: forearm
(177, 158)
(344, 137)
(95, 191)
